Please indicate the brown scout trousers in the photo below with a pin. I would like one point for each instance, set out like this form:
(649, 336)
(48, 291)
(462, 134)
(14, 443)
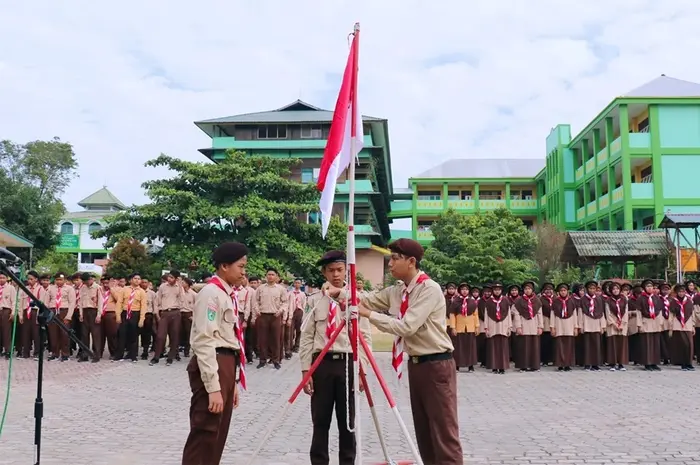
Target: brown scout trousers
(185, 330)
(6, 329)
(60, 342)
(297, 319)
(91, 328)
(30, 334)
(269, 337)
(208, 431)
(110, 333)
(169, 325)
(433, 393)
(147, 333)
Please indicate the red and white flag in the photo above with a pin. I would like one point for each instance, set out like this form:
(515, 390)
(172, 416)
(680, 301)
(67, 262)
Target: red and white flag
(346, 128)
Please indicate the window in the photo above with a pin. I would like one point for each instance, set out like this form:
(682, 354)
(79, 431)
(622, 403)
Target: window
(94, 227)
(309, 175)
(643, 125)
(314, 217)
(452, 195)
(527, 194)
(424, 225)
(429, 195)
(67, 228)
(490, 195)
(311, 131)
(466, 195)
(272, 131)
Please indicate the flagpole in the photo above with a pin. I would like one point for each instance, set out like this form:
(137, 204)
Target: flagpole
(354, 334)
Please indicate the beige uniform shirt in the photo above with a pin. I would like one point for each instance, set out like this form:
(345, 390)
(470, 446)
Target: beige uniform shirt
(611, 320)
(138, 304)
(169, 297)
(297, 301)
(38, 291)
(313, 299)
(67, 299)
(270, 300)
(313, 334)
(150, 301)
(188, 301)
(8, 297)
(424, 326)
(213, 323)
(89, 297)
(111, 298)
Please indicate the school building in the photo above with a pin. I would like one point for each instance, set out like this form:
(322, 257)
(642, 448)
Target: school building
(632, 163)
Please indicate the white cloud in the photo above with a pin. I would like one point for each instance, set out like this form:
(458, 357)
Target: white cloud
(125, 83)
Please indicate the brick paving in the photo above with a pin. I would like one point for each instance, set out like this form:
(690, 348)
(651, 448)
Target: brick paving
(133, 414)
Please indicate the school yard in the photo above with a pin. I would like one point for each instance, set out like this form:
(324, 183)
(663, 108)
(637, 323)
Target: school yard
(133, 414)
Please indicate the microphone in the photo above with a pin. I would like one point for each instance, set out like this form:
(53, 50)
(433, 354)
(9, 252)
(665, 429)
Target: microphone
(9, 257)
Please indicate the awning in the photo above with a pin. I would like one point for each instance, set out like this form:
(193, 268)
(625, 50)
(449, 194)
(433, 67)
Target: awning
(10, 239)
(381, 250)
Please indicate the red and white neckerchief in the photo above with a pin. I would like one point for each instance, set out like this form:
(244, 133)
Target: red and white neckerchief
(498, 307)
(667, 306)
(465, 305)
(591, 305)
(397, 349)
(530, 309)
(36, 288)
(564, 309)
(650, 302)
(297, 299)
(130, 302)
(619, 311)
(77, 291)
(332, 324)
(682, 305)
(236, 328)
(59, 297)
(106, 294)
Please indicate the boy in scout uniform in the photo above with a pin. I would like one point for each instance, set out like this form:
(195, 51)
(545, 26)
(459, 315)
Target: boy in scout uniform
(8, 295)
(217, 345)
(62, 303)
(418, 321)
(327, 386)
(148, 330)
(30, 330)
(89, 300)
(131, 311)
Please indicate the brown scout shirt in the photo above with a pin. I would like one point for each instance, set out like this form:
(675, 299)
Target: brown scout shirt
(67, 299)
(313, 334)
(89, 297)
(111, 298)
(245, 301)
(139, 303)
(270, 300)
(169, 297)
(297, 301)
(213, 322)
(611, 320)
(424, 327)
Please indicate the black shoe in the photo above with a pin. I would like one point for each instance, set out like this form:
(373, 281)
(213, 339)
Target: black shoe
(144, 356)
(177, 357)
(249, 361)
(95, 360)
(186, 354)
(560, 369)
(691, 368)
(134, 360)
(168, 362)
(655, 368)
(470, 369)
(567, 368)
(501, 372)
(154, 361)
(64, 358)
(287, 356)
(595, 368)
(261, 365)
(277, 366)
(495, 372)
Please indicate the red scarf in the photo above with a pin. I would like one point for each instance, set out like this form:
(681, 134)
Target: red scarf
(397, 349)
(236, 327)
(107, 294)
(498, 307)
(465, 305)
(530, 309)
(59, 297)
(682, 311)
(619, 311)
(667, 306)
(564, 310)
(650, 302)
(130, 302)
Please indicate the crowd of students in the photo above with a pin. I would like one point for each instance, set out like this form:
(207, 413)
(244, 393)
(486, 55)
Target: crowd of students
(591, 325)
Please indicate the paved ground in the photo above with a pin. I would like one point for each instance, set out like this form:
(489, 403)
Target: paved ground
(133, 414)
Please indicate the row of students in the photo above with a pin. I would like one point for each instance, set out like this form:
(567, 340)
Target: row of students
(593, 326)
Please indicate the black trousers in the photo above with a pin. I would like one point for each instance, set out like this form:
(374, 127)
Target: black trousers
(329, 394)
(129, 335)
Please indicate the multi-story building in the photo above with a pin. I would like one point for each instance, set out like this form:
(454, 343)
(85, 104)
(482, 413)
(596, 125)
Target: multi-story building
(635, 161)
(300, 130)
(76, 228)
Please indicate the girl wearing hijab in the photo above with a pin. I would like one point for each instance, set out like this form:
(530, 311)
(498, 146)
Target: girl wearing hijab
(617, 323)
(464, 323)
(564, 328)
(682, 329)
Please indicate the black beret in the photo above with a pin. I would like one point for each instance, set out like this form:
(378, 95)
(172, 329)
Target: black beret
(175, 273)
(59, 276)
(531, 284)
(562, 286)
(332, 256)
(513, 286)
(496, 285)
(463, 286)
(85, 276)
(547, 286)
(487, 286)
(407, 248)
(33, 273)
(664, 284)
(45, 276)
(227, 253)
(591, 284)
(647, 281)
(105, 277)
(679, 287)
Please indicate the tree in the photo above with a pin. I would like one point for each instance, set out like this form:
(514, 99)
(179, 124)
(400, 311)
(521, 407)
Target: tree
(129, 256)
(550, 245)
(480, 248)
(570, 275)
(53, 262)
(32, 178)
(250, 199)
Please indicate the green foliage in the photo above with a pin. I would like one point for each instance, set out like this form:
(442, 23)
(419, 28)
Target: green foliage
(366, 282)
(550, 245)
(480, 248)
(249, 199)
(32, 178)
(129, 256)
(53, 262)
(570, 275)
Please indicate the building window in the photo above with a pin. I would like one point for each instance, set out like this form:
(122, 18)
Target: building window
(490, 195)
(272, 131)
(309, 175)
(452, 195)
(314, 218)
(424, 225)
(311, 131)
(429, 195)
(94, 227)
(643, 125)
(466, 195)
(67, 228)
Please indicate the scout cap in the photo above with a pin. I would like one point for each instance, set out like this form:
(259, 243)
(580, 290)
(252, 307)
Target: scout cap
(408, 248)
(226, 253)
(59, 276)
(332, 256)
(591, 283)
(450, 284)
(463, 286)
(513, 286)
(562, 286)
(645, 282)
(546, 286)
(663, 285)
(530, 284)
(496, 285)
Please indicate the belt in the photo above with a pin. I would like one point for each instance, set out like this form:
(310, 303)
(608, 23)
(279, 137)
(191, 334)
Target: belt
(170, 310)
(417, 359)
(333, 356)
(227, 351)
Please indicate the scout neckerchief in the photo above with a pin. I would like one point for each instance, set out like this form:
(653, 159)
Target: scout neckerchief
(77, 291)
(465, 305)
(236, 328)
(667, 306)
(29, 300)
(332, 316)
(105, 299)
(498, 315)
(547, 311)
(650, 302)
(397, 349)
(618, 312)
(129, 303)
(531, 310)
(59, 297)
(564, 309)
(297, 299)
(682, 309)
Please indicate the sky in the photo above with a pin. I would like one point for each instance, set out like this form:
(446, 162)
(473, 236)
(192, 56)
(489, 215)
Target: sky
(124, 81)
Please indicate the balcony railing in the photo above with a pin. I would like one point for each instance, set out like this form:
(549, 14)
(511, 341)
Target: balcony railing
(491, 204)
(425, 235)
(618, 195)
(591, 208)
(642, 191)
(579, 172)
(640, 140)
(581, 213)
(615, 147)
(429, 204)
(604, 201)
(602, 156)
(461, 204)
(590, 165)
(648, 178)
(523, 204)
(543, 200)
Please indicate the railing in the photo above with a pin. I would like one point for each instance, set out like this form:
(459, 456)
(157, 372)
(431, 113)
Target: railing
(615, 147)
(581, 213)
(425, 234)
(604, 201)
(618, 195)
(642, 191)
(644, 130)
(648, 178)
(491, 204)
(590, 165)
(602, 156)
(523, 204)
(648, 227)
(461, 204)
(429, 204)
(543, 200)
(591, 208)
(579, 172)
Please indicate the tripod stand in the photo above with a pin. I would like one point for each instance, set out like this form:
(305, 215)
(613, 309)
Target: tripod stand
(44, 317)
(363, 379)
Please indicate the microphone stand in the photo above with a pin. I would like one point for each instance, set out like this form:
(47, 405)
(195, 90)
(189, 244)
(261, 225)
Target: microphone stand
(44, 317)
